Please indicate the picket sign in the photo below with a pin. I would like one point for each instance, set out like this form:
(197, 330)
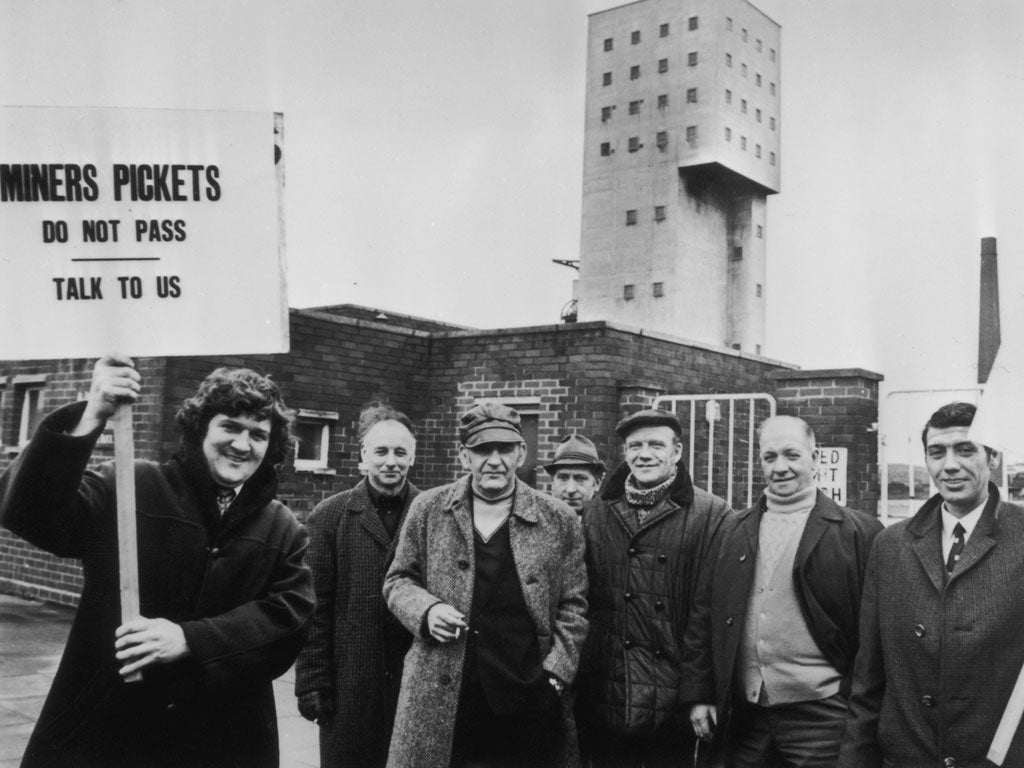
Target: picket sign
(127, 539)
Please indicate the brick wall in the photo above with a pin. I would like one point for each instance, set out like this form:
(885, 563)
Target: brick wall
(575, 377)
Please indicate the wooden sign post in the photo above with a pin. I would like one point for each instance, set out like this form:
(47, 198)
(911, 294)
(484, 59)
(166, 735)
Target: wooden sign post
(127, 539)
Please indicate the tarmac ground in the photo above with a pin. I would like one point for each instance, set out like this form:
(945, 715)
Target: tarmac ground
(32, 636)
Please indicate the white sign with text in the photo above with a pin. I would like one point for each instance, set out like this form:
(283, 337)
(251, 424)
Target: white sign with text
(831, 473)
(151, 232)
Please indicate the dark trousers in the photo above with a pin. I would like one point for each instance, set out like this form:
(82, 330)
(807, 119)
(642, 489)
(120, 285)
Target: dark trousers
(484, 738)
(801, 735)
(670, 746)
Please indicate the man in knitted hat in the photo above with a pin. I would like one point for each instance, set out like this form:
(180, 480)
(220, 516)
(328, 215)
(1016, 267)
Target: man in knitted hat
(771, 649)
(576, 471)
(489, 578)
(649, 536)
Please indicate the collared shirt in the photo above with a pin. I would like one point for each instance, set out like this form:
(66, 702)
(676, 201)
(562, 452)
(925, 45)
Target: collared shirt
(949, 521)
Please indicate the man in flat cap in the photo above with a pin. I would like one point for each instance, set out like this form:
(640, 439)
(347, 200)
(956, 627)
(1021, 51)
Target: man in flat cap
(489, 577)
(648, 537)
(576, 471)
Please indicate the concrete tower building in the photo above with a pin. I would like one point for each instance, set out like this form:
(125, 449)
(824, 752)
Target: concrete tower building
(681, 151)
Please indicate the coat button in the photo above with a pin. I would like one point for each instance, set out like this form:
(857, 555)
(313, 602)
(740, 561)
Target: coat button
(728, 621)
(215, 552)
(658, 654)
(949, 762)
(631, 551)
(446, 680)
(928, 701)
(388, 675)
(463, 565)
(172, 707)
(919, 630)
(662, 558)
(659, 605)
(628, 644)
(628, 596)
(743, 557)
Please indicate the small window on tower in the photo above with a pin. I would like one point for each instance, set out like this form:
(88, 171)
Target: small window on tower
(691, 59)
(757, 79)
(771, 158)
(760, 232)
(728, 96)
(744, 33)
(771, 88)
(691, 135)
(663, 30)
(743, 143)
(728, 133)
(662, 100)
(606, 78)
(757, 115)
(634, 106)
(634, 143)
(659, 213)
(728, 60)
(736, 254)
(728, 24)
(662, 66)
(759, 290)
(606, 149)
(743, 69)
(658, 289)
(757, 150)
(606, 114)
(630, 218)
(771, 123)
(691, 95)
(634, 38)
(692, 23)
(743, 106)
(661, 139)
(757, 44)
(634, 72)
(628, 291)
(771, 54)
(608, 43)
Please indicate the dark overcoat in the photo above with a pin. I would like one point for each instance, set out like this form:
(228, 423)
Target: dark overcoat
(828, 577)
(238, 588)
(435, 562)
(938, 658)
(643, 584)
(346, 657)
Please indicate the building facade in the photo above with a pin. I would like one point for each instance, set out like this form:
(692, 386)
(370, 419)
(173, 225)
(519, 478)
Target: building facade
(681, 151)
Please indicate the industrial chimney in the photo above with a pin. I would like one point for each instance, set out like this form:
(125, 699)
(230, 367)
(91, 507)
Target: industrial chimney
(988, 317)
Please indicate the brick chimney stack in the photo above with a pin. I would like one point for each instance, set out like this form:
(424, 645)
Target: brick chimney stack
(988, 325)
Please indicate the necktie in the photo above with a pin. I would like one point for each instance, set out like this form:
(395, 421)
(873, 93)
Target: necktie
(958, 546)
(224, 498)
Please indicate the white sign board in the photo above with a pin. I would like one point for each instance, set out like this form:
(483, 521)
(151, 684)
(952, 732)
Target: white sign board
(150, 232)
(831, 473)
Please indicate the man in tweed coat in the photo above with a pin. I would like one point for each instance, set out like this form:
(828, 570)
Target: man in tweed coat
(489, 576)
(942, 617)
(347, 676)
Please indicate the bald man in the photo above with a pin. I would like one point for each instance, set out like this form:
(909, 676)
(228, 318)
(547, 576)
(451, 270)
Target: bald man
(770, 649)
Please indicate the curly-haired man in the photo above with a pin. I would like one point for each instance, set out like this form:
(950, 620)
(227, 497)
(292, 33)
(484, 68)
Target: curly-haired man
(225, 597)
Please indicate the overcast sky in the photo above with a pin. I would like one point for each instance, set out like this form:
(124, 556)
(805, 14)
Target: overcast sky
(434, 152)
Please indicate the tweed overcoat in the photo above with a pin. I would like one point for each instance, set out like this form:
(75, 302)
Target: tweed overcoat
(435, 563)
(643, 585)
(938, 659)
(345, 658)
(239, 590)
(828, 577)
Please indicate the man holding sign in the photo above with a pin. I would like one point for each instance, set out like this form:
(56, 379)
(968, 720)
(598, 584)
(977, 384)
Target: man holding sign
(224, 593)
(942, 618)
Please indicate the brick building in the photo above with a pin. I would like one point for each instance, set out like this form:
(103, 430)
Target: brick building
(576, 376)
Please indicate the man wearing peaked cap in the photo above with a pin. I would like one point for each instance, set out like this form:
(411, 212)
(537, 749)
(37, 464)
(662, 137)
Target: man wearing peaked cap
(489, 578)
(576, 471)
(648, 535)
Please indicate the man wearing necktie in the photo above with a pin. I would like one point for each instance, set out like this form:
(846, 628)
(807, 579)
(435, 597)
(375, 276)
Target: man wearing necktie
(942, 617)
(347, 677)
(224, 594)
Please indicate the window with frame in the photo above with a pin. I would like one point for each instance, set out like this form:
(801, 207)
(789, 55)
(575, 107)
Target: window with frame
(662, 101)
(757, 79)
(771, 54)
(757, 115)
(657, 290)
(757, 45)
(743, 106)
(609, 43)
(728, 60)
(692, 23)
(29, 402)
(743, 32)
(606, 78)
(691, 95)
(662, 66)
(771, 158)
(771, 88)
(691, 134)
(634, 143)
(757, 150)
(661, 139)
(631, 217)
(634, 37)
(743, 69)
(728, 133)
(728, 24)
(659, 213)
(771, 123)
(691, 59)
(634, 72)
(606, 114)
(760, 232)
(628, 291)
(634, 106)
(736, 254)
(663, 30)
(606, 148)
(728, 96)
(759, 289)
(743, 142)
(312, 431)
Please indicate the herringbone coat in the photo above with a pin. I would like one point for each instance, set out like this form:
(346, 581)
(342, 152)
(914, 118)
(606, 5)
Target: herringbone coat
(938, 659)
(345, 656)
(435, 563)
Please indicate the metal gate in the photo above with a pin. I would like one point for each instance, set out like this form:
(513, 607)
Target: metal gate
(722, 438)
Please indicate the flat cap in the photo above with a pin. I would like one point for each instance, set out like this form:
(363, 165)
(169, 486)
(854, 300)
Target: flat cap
(489, 422)
(651, 417)
(575, 451)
